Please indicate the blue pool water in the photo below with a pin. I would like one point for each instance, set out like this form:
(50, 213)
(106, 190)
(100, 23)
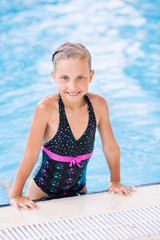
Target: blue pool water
(124, 40)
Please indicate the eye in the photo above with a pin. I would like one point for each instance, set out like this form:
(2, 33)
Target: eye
(65, 78)
(80, 77)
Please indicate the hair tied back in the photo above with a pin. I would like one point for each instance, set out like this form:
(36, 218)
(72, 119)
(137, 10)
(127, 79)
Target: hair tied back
(55, 54)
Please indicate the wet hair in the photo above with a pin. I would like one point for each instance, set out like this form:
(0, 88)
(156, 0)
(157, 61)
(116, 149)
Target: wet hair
(71, 50)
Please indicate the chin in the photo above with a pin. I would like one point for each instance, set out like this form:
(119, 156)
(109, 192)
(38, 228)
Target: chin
(73, 97)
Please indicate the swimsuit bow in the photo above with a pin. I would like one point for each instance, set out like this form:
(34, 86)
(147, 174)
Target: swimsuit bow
(75, 161)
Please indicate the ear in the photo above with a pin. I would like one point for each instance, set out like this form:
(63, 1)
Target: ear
(91, 75)
(54, 76)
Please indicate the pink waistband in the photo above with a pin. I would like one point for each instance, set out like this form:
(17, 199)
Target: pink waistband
(73, 160)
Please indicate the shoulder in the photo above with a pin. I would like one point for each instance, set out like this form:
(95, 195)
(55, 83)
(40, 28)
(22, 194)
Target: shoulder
(97, 101)
(99, 104)
(47, 104)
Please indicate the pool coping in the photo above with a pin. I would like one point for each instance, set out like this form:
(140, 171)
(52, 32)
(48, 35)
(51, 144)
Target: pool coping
(148, 195)
(88, 193)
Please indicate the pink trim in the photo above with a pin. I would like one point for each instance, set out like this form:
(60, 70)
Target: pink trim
(73, 160)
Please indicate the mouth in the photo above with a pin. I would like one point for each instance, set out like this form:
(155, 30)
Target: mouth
(73, 94)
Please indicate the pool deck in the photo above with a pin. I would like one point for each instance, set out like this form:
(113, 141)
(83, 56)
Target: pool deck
(83, 206)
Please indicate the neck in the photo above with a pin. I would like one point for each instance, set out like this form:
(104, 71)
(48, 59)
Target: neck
(74, 106)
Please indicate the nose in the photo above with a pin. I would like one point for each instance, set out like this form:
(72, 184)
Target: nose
(72, 84)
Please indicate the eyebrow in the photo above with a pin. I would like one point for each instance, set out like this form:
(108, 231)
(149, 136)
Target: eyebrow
(65, 75)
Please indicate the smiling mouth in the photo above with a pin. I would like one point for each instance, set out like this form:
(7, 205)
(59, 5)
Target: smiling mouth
(73, 94)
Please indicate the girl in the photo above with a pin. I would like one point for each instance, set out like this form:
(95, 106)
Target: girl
(65, 123)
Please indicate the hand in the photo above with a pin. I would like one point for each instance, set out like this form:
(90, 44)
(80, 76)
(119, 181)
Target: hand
(120, 189)
(23, 202)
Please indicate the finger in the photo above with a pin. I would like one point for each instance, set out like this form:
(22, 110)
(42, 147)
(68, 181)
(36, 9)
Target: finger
(14, 204)
(132, 189)
(111, 190)
(32, 204)
(126, 192)
(35, 205)
(17, 206)
(117, 191)
(24, 206)
(121, 192)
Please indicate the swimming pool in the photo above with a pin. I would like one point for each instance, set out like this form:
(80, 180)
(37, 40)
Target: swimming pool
(124, 40)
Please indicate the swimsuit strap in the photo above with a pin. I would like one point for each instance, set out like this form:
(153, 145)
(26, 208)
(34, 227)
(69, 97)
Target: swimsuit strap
(92, 118)
(62, 114)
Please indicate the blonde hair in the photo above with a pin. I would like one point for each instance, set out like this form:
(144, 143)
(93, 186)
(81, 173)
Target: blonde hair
(71, 50)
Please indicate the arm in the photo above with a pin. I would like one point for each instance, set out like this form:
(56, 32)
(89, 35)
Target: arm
(111, 150)
(33, 147)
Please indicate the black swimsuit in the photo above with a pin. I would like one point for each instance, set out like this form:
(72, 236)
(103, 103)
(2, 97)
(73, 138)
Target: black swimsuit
(64, 159)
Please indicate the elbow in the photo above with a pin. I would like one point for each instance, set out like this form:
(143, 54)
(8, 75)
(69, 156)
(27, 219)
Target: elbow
(110, 150)
(118, 149)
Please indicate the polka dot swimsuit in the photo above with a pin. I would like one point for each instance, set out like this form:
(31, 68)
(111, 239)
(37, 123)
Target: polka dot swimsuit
(58, 176)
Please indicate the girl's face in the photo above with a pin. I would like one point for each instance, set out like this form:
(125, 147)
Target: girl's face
(72, 77)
